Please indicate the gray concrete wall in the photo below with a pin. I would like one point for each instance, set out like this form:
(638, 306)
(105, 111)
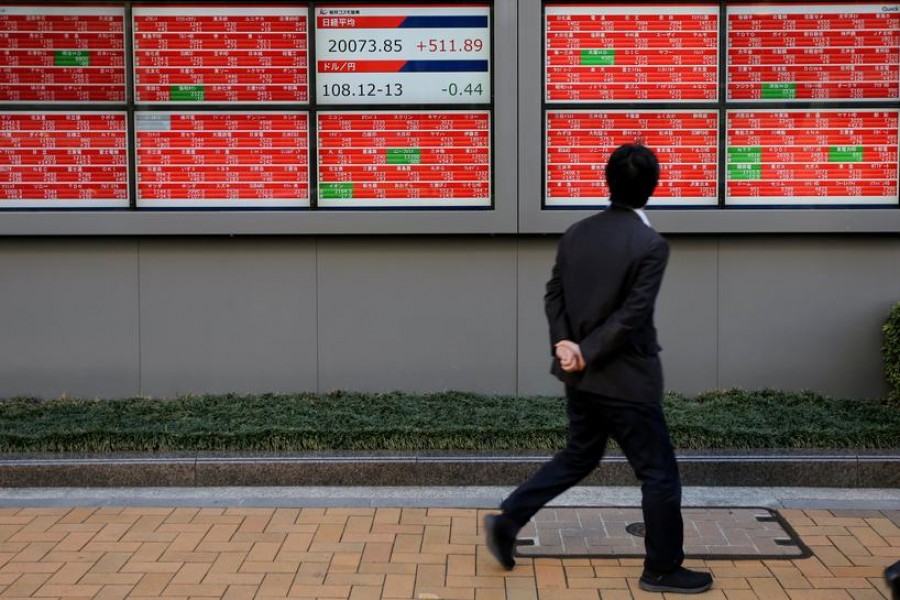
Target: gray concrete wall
(164, 316)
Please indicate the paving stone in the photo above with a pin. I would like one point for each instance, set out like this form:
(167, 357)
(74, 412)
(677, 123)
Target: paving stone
(396, 554)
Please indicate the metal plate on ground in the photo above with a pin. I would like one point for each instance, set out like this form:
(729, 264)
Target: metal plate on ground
(708, 533)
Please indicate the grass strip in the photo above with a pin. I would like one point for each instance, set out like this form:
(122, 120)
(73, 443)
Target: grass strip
(732, 419)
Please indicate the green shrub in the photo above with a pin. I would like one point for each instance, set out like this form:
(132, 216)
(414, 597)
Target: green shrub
(396, 421)
(891, 353)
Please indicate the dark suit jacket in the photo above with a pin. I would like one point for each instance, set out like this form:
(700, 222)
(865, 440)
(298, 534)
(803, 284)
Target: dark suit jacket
(602, 294)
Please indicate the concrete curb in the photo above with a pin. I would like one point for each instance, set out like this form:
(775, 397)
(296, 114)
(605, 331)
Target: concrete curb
(767, 468)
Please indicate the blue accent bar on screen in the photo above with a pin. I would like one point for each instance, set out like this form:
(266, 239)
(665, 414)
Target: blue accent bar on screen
(445, 21)
(445, 66)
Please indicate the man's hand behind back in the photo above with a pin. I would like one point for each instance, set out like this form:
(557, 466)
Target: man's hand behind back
(569, 355)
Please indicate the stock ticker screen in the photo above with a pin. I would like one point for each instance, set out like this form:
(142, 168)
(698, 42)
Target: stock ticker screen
(386, 54)
(234, 159)
(64, 159)
(52, 56)
(631, 53)
(390, 105)
(413, 158)
(221, 54)
(213, 55)
(618, 73)
(579, 140)
(62, 54)
(243, 105)
(389, 55)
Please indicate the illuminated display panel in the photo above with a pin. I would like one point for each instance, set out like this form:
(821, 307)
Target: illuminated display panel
(52, 54)
(828, 156)
(579, 142)
(63, 160)
(209, 54)
(631, 52)
(403, 54)
(781, 52)
(404, 159)
(216, 159)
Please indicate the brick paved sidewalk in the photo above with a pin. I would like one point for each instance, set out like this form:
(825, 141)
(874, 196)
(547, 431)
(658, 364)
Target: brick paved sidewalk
(384, 553)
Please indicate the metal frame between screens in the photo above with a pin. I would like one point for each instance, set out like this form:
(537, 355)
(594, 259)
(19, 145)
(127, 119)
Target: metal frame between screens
(535, 218)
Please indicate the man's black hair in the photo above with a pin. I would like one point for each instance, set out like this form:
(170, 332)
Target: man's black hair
(632, 173)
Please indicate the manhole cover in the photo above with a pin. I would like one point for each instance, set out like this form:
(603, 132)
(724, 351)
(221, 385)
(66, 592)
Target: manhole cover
(708, 533)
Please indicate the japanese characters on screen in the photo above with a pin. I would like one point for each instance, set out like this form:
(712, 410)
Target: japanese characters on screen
(383, 54)
(389, 105)
(192, 61)
(403, 54)
(414, 158)
(239, 159)
(604, 64)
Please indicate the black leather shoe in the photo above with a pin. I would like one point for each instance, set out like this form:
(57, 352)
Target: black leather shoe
(500, 541)
(892, 575)
(679, 581)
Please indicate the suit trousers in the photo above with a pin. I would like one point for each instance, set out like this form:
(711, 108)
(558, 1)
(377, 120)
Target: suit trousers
(640, 430)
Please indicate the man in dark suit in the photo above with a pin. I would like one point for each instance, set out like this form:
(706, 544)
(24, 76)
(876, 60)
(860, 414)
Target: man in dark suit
(599, 303)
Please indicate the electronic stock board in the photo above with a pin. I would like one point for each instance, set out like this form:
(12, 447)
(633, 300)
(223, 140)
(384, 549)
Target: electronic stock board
(54, 55)
(579, 142)
(212, 158)
(631, 53)
(413, 158)
(436, 55)
(59, 54)
(842, 54)
(815, 52)
(365, 55)
(634, 54)
(221, 54)
(390, 105)
(286, 142)
(235, 55)
(839, 54)
(403, 54)
(62, 159)
(812, 157)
